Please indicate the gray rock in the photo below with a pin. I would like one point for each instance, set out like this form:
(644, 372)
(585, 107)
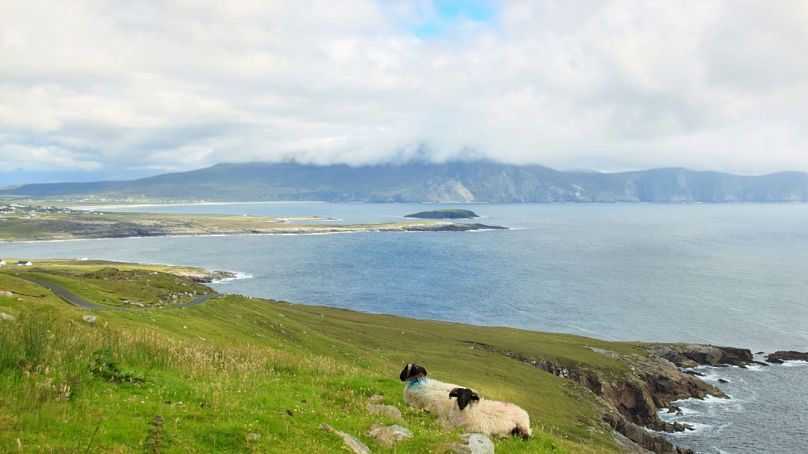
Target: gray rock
(6, 317)
(89, 319)
(135, 303)
(6, 293)
(386, 410)
(354, 445)
(376, 398)
(474, 444)
(253, 436)
(388, 435)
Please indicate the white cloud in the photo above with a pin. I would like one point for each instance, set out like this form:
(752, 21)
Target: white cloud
(622, 84)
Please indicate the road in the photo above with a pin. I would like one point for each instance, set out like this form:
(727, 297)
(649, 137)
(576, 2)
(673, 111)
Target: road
(82, 303)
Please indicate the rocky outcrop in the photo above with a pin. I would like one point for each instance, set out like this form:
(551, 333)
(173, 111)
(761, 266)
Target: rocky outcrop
(649, 383)
(782, 356)
(692, 355)
(642, 437)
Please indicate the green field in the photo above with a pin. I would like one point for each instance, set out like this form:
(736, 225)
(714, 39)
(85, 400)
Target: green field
(242, 374)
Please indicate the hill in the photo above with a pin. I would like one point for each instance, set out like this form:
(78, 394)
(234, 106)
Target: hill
(473, 181)
(236, 374)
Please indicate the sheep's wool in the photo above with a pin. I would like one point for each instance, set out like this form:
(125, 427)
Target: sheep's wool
(430, 395)
(491, 417)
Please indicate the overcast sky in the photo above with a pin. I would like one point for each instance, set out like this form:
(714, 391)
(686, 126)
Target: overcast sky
(98, 89)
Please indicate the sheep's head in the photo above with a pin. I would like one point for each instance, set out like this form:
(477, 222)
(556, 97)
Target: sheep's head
(412, 370)
(464, 397)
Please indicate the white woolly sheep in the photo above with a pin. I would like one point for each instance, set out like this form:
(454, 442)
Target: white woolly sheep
(489, 417)
(426, 393)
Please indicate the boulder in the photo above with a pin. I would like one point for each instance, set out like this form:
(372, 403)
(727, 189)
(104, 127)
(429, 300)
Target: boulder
(386, 410)
(6, 293)
(90, 319)
(6, 317)
(474, 444)
(388, 435)
(350, 442)
(781, 356)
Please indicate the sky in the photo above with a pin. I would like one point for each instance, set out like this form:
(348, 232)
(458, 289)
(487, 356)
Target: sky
(120, 89)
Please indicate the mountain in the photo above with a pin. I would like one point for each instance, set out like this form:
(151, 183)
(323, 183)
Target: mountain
(471, 181)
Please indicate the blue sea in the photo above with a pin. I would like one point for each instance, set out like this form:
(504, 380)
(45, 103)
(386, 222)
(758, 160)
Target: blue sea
(723, 274)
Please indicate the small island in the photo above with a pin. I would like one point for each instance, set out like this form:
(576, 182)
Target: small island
(446, 213)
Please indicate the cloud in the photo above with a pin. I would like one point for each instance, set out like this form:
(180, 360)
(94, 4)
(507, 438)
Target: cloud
(602, 84)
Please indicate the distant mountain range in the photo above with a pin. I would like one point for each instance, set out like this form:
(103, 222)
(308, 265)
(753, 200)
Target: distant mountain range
(472, 181)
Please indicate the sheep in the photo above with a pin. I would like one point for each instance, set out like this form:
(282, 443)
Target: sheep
(489, 417)
(426, 393)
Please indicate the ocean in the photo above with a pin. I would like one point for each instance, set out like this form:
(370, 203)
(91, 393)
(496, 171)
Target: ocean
(723, 274)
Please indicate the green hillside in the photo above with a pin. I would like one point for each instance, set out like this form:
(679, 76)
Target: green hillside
(242, 374)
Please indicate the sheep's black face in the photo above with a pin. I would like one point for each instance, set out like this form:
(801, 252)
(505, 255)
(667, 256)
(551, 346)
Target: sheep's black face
(464, 397)
(411, 370)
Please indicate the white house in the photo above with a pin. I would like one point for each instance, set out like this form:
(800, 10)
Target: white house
(2, 262)
(24, 263)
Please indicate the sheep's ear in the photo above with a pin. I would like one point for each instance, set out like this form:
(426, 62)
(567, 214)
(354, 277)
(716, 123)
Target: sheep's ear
(474, 395)
(405, 374)
(454, 392)
(417, 370)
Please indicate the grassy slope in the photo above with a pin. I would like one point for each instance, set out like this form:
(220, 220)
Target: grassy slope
(233, 366)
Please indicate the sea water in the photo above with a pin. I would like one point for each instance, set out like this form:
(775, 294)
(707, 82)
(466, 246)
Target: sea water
(723, 274)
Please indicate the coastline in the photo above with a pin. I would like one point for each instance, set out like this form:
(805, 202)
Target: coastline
(631, 383)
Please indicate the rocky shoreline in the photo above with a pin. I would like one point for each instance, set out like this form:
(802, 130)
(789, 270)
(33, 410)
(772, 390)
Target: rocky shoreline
(652, 383)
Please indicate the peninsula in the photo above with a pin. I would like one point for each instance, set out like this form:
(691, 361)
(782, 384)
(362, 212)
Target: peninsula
(20, 222)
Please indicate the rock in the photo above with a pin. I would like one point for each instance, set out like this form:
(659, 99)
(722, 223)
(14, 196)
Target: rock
(7, 317)
(90, 319)
(759, 353)
(388, 435)
(386, 410)
(376, 398)
(253, 436)
(135, 303)
(6, 293)
(641, 436)
(779, 357)
(354, 445)
(721, 380)
(692, 355)
(474, 444)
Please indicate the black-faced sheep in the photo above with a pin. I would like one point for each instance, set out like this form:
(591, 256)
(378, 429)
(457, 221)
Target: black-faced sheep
(489, 417)
(426, 393)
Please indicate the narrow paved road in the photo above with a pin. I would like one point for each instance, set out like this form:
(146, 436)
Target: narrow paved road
(78, 301)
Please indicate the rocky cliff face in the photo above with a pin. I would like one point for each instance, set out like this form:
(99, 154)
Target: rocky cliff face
(652, 382)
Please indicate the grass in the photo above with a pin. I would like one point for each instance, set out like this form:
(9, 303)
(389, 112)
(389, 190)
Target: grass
(238, 374)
